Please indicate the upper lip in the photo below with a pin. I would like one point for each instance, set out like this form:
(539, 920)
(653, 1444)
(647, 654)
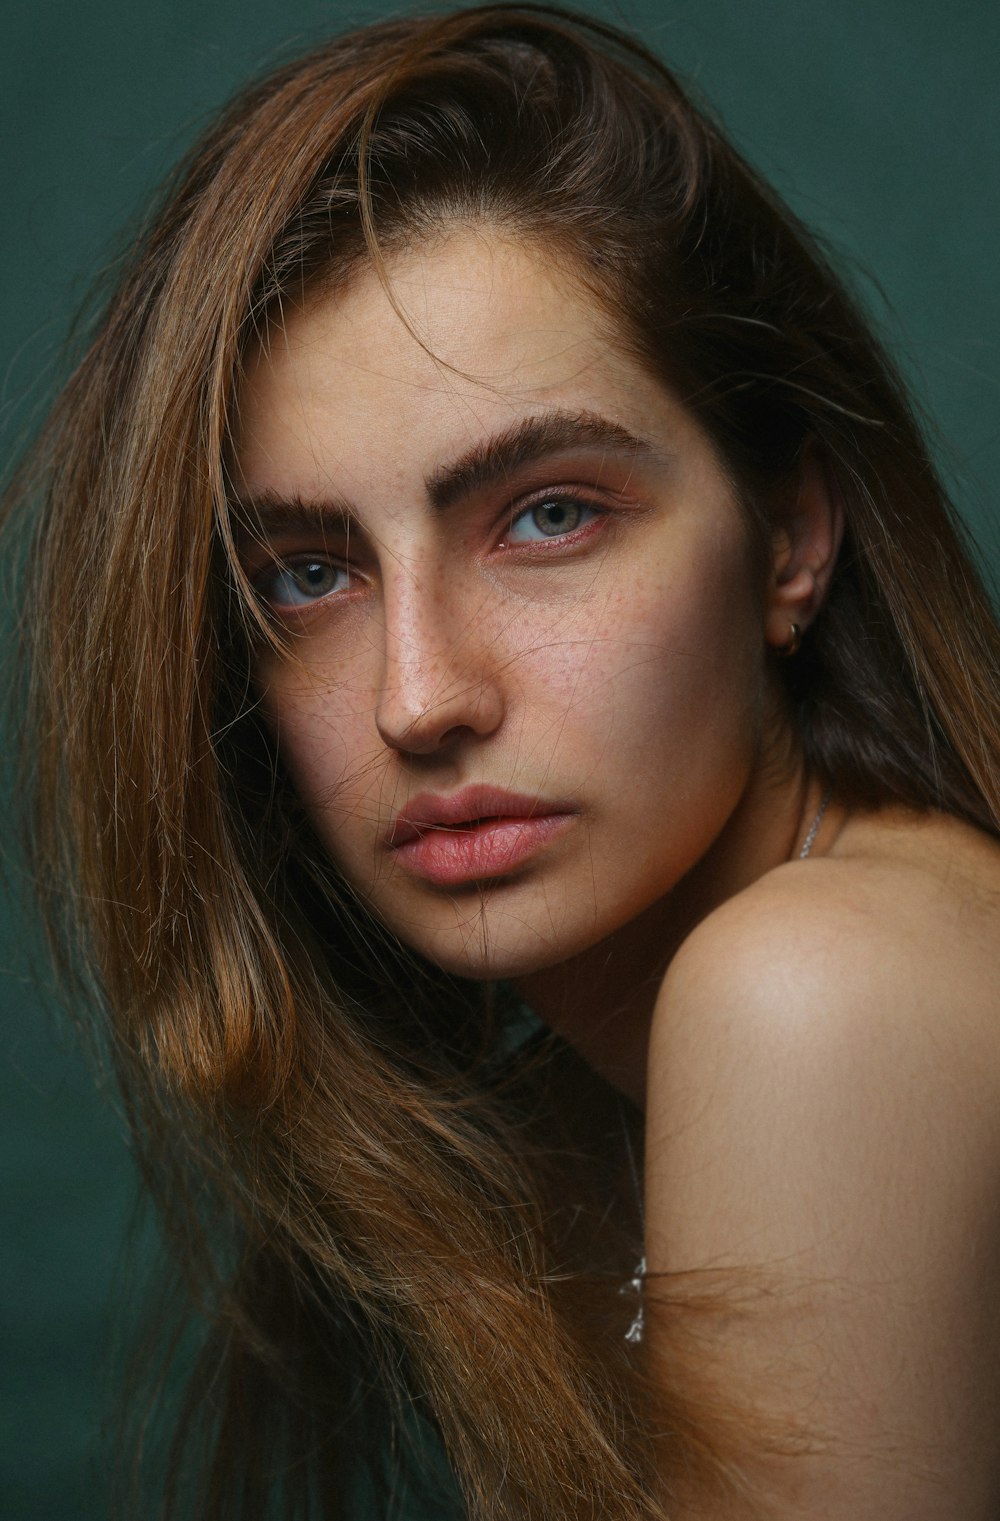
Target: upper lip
(432, 810)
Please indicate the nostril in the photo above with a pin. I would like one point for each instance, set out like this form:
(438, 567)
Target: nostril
(415, 721)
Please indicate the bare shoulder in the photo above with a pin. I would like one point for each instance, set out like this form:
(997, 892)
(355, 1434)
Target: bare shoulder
(893, 938)
(823, 1114)
(846, 1009)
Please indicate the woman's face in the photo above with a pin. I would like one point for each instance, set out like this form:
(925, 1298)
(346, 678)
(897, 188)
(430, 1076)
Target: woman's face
(524, 683)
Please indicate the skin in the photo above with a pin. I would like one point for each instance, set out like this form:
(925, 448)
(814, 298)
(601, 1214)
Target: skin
(824, 1125)
(449, 653)
(814, 1042)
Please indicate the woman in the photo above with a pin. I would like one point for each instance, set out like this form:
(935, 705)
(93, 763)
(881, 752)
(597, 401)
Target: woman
(486, 561)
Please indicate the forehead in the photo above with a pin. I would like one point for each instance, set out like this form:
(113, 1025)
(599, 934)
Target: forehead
(470, 333)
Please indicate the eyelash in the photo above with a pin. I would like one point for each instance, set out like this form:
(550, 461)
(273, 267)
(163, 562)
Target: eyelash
(560, 499)
(287, 570)
(266, 581)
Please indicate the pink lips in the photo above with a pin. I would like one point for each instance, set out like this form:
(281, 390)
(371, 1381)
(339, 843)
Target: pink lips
(473, 835)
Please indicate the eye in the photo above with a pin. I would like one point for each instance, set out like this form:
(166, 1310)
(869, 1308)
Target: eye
(551, 518)
(298, 583)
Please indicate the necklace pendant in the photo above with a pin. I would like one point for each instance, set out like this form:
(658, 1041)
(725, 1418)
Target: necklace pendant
(637, 1326)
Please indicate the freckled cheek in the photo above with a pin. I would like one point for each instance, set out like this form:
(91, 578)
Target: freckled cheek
(629, 680)
(325, 735)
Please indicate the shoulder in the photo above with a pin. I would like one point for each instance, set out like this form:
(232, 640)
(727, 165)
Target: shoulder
(849, 1004)
(823, 1123)
(839, 1022)
(890, 944)
(831, 1034)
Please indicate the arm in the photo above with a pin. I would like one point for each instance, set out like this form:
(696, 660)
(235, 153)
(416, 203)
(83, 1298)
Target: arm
(824, 1130)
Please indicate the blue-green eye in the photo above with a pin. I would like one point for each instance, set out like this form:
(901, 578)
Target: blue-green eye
(297, 583)
(549, 519)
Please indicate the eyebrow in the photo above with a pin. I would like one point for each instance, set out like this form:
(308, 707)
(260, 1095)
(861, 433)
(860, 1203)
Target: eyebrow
(533, 438)
(486, 464)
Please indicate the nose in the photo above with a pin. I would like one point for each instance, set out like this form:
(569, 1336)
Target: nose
(440, 679)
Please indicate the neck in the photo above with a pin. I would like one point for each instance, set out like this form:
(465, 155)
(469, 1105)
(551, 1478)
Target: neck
(602, 1000)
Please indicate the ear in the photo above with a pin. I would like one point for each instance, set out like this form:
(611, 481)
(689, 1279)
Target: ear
(809, 526)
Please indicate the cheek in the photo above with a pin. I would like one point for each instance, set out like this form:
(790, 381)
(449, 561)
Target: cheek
(664, 672)
(326, 737)
(674, 730)
(642, 692)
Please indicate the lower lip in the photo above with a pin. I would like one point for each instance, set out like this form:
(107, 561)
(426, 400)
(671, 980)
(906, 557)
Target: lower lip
(449, 857)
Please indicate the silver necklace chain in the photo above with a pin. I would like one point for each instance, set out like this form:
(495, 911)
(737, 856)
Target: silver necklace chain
(814, 827)
(637, 1326)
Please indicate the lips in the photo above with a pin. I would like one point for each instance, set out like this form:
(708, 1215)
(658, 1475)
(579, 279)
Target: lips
(476, 834)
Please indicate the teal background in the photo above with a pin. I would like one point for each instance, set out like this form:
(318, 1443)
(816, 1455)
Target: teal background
(881, 124)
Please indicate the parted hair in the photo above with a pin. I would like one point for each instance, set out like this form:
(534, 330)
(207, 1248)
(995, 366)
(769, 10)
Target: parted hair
(356, 1186)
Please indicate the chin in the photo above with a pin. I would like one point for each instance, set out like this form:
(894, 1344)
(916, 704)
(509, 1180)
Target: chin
(484, 944)
(491, 962)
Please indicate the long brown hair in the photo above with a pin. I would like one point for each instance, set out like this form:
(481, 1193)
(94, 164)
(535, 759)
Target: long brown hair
(352, 1183)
